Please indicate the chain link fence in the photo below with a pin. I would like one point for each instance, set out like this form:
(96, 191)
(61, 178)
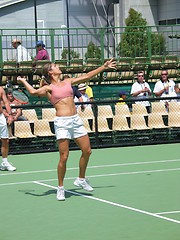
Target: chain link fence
(108, 123)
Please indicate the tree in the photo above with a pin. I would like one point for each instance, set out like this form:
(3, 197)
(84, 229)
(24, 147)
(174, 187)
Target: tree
(93, 51)
(73, 54)
(134, 41)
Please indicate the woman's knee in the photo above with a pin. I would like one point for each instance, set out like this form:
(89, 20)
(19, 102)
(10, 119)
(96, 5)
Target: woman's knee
(87, 152)
(63, 157)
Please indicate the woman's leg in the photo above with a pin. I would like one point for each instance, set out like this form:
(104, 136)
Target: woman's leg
(84, 144)
(63, 145)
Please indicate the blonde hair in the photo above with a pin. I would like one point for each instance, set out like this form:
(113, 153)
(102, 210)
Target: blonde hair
(45, 73)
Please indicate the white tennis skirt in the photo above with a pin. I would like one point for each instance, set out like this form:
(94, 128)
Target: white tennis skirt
(69, 127)
(3, 127)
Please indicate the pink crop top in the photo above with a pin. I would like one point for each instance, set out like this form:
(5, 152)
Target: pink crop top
(59, 93)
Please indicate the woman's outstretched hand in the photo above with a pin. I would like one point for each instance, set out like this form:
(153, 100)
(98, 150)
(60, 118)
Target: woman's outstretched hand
(110, 64)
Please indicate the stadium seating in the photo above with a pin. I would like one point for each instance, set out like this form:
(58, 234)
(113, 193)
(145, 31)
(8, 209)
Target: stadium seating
(25, 68)
(103, 125)
(120, 123)
(76, 66)
(138, 122)
(9, 68)
(122, 110)
(105, 111)
(42, 128)
(140, 63)
(30, 114)
(174, 107)
(92, 63)
(22, 129)
(10, 133)
(138, 108)
(174, 119)
(124, 64)
(62, 64)
(90, 129)
(39, 66)
(48, 114)
(158, 107)
(155, 120)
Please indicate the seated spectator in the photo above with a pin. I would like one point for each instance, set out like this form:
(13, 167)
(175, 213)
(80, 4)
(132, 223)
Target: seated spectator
(122, 96)
(42, 53)
(22, 54)
(89, 92)
(15, 112)
(164, 88)
(82, 89)
(141, 90)
(176, 93)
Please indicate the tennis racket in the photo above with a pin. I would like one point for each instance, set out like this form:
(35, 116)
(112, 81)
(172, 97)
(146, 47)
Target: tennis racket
(20, 97)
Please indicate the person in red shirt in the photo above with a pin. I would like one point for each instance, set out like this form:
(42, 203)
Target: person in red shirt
(42, 53)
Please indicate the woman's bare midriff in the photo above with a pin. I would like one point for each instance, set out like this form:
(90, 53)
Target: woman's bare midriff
(65, 107)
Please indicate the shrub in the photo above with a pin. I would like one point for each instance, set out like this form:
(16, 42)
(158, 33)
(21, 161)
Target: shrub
(73, 54)
(93, 51)
(134, 41)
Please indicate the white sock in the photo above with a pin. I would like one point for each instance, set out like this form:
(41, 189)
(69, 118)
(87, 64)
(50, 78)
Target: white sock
(81, 179)
(61, 187)
(4, 160)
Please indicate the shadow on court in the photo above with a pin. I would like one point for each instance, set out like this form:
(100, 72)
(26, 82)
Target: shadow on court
(53, 191)
(68, 192)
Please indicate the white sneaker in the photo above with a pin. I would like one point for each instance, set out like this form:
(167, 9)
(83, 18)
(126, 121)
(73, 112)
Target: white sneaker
(84, 184)
(60, 194)
(6, 166)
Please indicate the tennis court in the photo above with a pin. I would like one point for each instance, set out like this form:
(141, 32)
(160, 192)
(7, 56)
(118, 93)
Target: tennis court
(136, 196)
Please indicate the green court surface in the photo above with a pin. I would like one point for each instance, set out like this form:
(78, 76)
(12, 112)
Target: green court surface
(136, 196)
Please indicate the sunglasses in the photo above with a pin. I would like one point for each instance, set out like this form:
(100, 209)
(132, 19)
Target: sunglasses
(164, 74)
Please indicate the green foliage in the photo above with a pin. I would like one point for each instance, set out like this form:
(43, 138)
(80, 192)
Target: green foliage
(134, 41)
(135, 19)
(73, 54)
(93, 51)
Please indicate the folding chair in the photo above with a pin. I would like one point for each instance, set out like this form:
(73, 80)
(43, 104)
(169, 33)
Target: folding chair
(30, 114)
(22, 129)
(42, 128)
(48, 114)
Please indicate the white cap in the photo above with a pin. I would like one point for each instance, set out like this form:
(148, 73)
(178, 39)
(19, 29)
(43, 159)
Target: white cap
(82, 86)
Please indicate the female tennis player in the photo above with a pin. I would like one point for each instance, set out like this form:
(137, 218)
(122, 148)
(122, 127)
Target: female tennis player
(67, 123)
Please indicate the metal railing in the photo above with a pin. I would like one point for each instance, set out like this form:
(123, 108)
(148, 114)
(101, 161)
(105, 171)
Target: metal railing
(111, 42)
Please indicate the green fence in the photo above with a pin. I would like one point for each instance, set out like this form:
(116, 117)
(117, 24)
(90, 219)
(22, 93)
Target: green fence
(149, 49)
(135, 48)
(111, 42)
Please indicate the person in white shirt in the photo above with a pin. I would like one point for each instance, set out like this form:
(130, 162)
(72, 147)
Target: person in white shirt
(164, 88)
(82, 89)
(22, 53)
(141, 90)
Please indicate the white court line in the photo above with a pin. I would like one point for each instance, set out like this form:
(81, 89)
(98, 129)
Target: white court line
(89, 167)
(172, 212)
(112, 203)
(94, 176)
